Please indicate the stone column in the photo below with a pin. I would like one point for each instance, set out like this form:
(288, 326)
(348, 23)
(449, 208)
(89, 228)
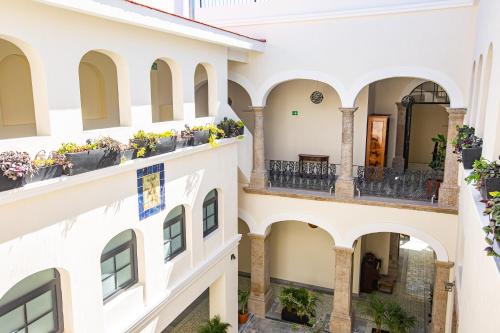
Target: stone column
(258, 179)
(398, 161)
(341, 315)
(440, 296)
(394, 252)
(260, 281)
(448, 192)
(344, 186)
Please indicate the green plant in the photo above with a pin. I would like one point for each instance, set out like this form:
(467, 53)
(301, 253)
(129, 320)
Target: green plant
(465, 138)
(214, 131)
(439, 153)
(397, 319)
(375, 308)
(41, 160)
(492, 230)
(167, 134)
(214, 325)
(482, 169)
(107, 142)
(299, 300)
(240, 124)
(243, 296)
(15, 164)
(143, 141)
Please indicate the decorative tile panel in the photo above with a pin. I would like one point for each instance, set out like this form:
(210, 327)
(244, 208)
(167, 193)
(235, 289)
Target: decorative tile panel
(151, 190)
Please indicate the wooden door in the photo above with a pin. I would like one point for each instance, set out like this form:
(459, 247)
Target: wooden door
(376, 140)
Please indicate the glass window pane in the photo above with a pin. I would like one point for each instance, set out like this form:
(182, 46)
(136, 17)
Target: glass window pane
(122, 259)
(177, 211)
(46, 324)
(211, 194)
(210, 222)
(28, 284)
(40, 305)
(175, 229)
(118, 240)
(210, 209)
(176, 244)
(107, 268)
(166, 250)
(12, 321)
(166, 233)
(124, 276)
(108, 286)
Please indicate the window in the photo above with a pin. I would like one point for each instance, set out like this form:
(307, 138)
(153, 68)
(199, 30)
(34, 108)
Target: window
(33, 305)
(174, 239)
(118, 264)
(210, 214)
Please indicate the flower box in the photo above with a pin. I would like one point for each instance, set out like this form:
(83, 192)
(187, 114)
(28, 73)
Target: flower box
(489, 185)
(44, 173)
(9, 184)
(292, 317)
(166, 145)
(91, 160)
(126, 155)
(470, 155)
(200, 137)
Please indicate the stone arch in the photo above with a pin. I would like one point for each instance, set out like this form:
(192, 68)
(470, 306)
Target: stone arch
(484, 93)
(477, 92)
(471, 92)
(275, 80)
(453, 90)
(245, 84)
(37, 85)
(211, 95)
(166, 90)
(437, 246)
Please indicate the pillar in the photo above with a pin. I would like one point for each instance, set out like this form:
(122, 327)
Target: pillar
(344, 186)
(448, 192)
(394, 252)
(223, 298)
(398, 161)
(341, 315)
(440, 296)
(258, 178)
(260, 280)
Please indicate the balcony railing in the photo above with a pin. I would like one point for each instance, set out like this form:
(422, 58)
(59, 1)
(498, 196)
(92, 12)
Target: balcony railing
(417, 185)
(224, 3)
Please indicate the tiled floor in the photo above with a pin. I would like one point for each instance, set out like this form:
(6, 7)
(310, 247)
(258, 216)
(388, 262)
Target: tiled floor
(412, 290)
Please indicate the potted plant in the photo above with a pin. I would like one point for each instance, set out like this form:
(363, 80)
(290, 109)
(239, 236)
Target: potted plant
(299, 305)
(227, 126)
(492, 230)
(15, 167)
(375, 308)
(200, 134)
(397, 319)
(240, 127)
(167, 142)
(47, 167)
(144, 144)
(93, 155)
(437, 164)
(485, 175)
(214, 325)
(243, 296)
(467, 145)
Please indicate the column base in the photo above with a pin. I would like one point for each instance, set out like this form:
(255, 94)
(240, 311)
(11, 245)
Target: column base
(259, 305)
(340, 324)
(398, 163)
(448, 196)
(344, 188)
(258, 180)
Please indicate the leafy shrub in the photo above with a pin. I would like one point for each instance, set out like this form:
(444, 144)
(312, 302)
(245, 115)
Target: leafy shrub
(465, 138)
(299, 300)
(492, 230)
(15, 164)
(214, 325)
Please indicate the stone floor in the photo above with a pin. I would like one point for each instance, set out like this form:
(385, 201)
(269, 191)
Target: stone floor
(412, 291)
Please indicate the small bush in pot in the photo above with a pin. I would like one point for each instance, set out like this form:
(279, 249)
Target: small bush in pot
(485, 176)
(299, 305)
(47, 167)
(375, 308)
(492, 230)
(15, 168)
(397, 319)
(467, 145)
(167, 142)
(214, 325)
(240, 127)
(144, 144)
(243, 296)
(206, 134)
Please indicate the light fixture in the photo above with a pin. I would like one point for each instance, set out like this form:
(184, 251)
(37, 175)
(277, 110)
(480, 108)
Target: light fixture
(233, 257)
(317, 96)
(312, 226)
(448, 286)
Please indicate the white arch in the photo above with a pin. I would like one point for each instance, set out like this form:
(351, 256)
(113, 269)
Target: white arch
(246, 84)
(453, 90)
(249, 220)
(275, 80)
(370, 228)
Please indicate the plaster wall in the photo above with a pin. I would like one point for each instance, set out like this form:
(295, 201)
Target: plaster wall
(378, 244)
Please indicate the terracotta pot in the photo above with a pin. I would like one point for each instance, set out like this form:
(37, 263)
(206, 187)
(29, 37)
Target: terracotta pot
(242, 318)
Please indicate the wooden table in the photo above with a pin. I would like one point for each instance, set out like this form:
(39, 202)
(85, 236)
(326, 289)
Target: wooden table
(322, 159)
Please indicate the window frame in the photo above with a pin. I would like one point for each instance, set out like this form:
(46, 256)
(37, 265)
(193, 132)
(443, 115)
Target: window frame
(168, 223)
(206, 203)
(132, 245)
(55, 287)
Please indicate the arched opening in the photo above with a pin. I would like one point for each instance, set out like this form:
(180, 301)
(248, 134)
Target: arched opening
(33, 305)
(99, 91)
(202, 92)
(17, 109)
(483, 103)
(162, 100)
(471, 94)
(174, 233)
(477, 92)
(239, 100)
(119, 264)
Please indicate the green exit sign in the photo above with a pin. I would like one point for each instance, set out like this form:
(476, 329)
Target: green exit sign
(295, 113)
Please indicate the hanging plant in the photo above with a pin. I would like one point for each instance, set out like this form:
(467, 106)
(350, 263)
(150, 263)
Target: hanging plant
(317, 97)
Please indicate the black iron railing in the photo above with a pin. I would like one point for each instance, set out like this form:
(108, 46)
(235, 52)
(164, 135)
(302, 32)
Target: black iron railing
(420, 185)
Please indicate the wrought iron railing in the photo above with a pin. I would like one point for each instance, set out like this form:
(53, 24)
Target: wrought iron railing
(224, 3)
(420, 185)
(391, 183)
(315, 176)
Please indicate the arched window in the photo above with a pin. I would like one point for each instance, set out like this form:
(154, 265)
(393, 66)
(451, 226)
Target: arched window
(174, 233)
(119, 264)
(210, 213)
(162, 99)
(202, 92)
(33, 305)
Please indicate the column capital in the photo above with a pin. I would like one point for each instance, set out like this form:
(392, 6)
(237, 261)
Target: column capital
(343, 249)
(259, 236)
(348, 110)
(456, 111)
(256, 108)
(444, 264)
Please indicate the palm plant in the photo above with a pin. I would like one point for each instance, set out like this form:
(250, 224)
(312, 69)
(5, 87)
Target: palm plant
(375, 308)
(214, 325)
(397, 319)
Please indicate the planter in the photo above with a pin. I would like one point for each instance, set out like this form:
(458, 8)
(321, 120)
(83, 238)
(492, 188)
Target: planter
(470, 155)
(240, 130)
(126, 155)
(45, 173)
(166, 145)
(489, 185)
(92, 160)
(294, 318)
(200, 137)
(183, 143)
(9, 184)
(226, 129)
(242, 318)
